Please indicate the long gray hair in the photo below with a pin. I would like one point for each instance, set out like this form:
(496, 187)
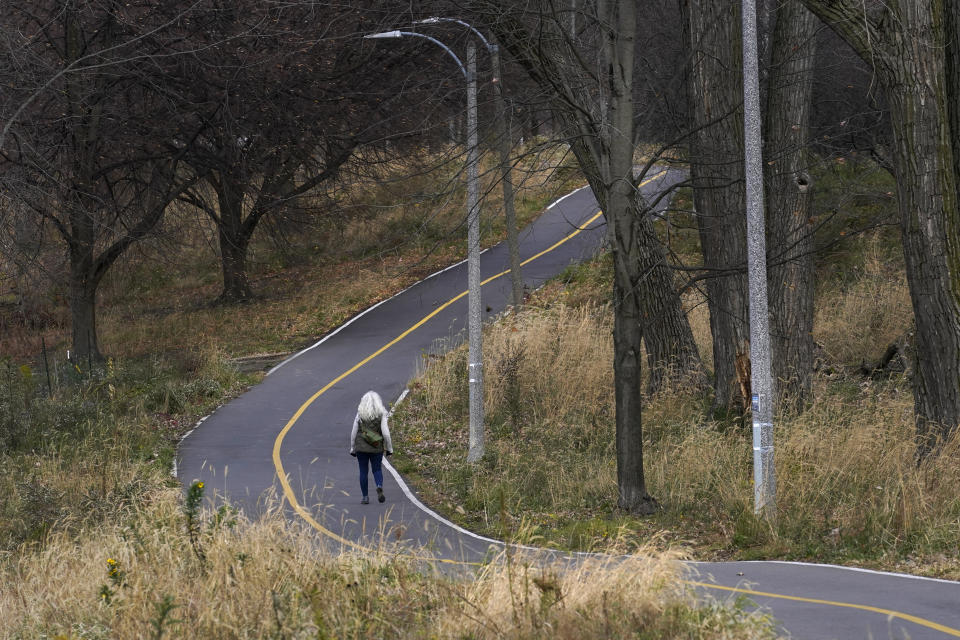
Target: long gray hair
(371, 406)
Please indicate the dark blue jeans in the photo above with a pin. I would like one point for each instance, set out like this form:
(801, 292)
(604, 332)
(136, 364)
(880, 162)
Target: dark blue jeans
(373, 460)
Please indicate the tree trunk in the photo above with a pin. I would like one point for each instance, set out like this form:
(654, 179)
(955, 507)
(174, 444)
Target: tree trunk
(930, 227)
(234, 241)
(672, 354)
(627, 337)
(622, 220)
(82, 292)
(233, 260)
(791, 272)
(910, 50)
(716, 170)
(83, 322)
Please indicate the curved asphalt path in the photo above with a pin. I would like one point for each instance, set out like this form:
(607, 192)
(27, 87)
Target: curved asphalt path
(288, 437)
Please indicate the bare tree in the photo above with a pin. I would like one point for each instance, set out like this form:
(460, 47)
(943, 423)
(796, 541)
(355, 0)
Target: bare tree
(912, 49)
(88, 145)
(288, 96)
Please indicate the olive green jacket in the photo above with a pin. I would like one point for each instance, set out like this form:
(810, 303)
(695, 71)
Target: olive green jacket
(359, 445)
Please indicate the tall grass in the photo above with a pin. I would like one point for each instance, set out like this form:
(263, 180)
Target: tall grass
(96, 445)
(864, 308)
(139, 576)
(849, 488)
(528, 361)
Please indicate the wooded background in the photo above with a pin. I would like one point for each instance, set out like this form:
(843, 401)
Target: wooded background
(253, 115)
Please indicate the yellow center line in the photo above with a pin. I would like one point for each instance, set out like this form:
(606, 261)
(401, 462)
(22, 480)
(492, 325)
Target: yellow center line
(304, 513)
(950, 631)
(277, 460)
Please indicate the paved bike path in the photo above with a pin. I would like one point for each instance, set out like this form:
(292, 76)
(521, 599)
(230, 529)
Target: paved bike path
(298, 420)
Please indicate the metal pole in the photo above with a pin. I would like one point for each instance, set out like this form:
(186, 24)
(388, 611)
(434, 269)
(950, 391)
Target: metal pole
(475, 321)
(504, 142)
(764, 477)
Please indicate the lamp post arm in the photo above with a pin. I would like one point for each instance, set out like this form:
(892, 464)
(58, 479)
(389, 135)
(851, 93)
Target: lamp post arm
(489, 45)
(400, 34)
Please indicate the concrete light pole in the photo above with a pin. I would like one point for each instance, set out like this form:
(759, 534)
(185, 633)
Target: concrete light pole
(474, 320)
(503, 147)
(764, 476)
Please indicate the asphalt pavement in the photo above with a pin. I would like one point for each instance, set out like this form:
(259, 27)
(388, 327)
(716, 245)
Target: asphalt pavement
(285, 442)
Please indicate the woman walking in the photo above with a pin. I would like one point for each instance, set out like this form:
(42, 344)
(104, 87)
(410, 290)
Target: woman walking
(369, 440)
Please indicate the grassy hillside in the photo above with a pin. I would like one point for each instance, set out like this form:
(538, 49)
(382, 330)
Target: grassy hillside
(98, 541)
(379, 230)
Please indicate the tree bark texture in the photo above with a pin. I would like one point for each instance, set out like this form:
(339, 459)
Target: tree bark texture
(83, 322)
(234, 238)
(83, 282)
(618, 45)
(716, 171)
(952, 50)
(789, 231)
(908, 46)
(672, 354)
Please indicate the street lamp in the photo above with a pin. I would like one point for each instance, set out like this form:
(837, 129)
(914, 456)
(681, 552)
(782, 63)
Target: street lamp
(503, 138)
(474, 319)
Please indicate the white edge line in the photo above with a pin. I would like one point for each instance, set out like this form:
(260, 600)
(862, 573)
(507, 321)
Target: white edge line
(358, 316)
(371, 308)
(430, 512)
(173, 467)
(433, 514)
(857, 569)
(562, 198)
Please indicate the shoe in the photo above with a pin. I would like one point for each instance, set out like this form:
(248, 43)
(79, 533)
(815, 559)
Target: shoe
(380, 496)
(365, 500)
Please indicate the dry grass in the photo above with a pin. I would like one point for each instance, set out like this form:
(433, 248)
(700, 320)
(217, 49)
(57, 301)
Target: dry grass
(529, 361)
(90, 450)
(848, 487)
(139, 577)
(862, 311)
